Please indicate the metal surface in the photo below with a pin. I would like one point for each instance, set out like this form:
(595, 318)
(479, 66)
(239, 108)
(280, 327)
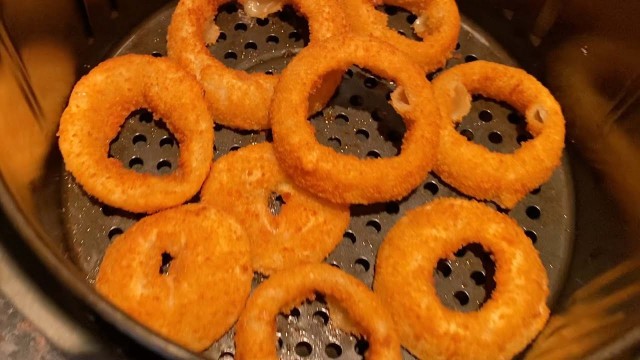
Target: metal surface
(358, 120)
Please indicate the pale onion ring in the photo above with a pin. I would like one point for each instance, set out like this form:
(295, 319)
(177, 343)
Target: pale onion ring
(305, 231)
(473, 169)
(438, 24)
(256, 328)
(345, 178)
(239, 99)
(210, 254)
(99, 105)
(504, 325)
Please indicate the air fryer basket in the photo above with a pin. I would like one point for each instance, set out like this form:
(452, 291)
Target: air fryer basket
(579, 232)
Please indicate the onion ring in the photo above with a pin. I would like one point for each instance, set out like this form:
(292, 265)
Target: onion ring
(239, 99)
(98, 106)
(256, 327)
(472, 168)
(504, 325)
(345, 178)
(438, 24)
(305, 231)
(210, 251)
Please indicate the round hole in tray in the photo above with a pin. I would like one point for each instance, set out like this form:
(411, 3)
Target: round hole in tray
(375, 225)
(431, 187)
(374, 154)
(533, 212)
(295, 36)
(370, 82)
(164, 166)
(144, 115)
(272, 39)
(303, 349)
(495, 137)
(294, 313)
(226, 356)
(114, 232)
(462, 297)
(485, 115)
(362, 265)
(362, 134)
(333, 351)
(531, 235)
(467, 133)
(470, 58)
(335, 142)
(361, 346)
(342, 118)
(321, 317)
(443, 268)
(350, 235)
(167, 141)
(479, 277)
(136, 163)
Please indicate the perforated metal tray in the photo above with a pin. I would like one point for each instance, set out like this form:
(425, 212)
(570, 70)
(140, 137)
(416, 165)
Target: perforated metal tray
(358, 120)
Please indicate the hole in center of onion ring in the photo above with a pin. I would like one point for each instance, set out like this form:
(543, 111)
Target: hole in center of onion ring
(403, 21)
(465, 282)
(359, 119)
(296, 324)
(276, 202)
(256, 44)
(165, 263)
(495, 125)
(145, 145)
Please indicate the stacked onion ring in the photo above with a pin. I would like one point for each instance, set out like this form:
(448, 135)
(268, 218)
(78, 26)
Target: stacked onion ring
(504, 325)
(201, 249)
(472, 168)
(437, 23)
(98, 106)
(239, 99)
(305, 230)
(346, 295)
(345, 178)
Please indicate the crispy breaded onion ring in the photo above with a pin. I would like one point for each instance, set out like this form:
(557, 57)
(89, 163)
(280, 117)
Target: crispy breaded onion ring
(475, 170)
(207, 251)
(256, 328)
(239, 99)
(504, 325)
(305, 230)
(438, 24)
(345, 178)
(99, 105)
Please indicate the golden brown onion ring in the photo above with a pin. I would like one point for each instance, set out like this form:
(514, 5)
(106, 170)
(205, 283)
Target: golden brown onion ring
(438, 24)
(239, 99)
(98, 106)
(472, 168)
(345, 178)
(504, 325)
(210, 252)
(305, 230)
(256, 328)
